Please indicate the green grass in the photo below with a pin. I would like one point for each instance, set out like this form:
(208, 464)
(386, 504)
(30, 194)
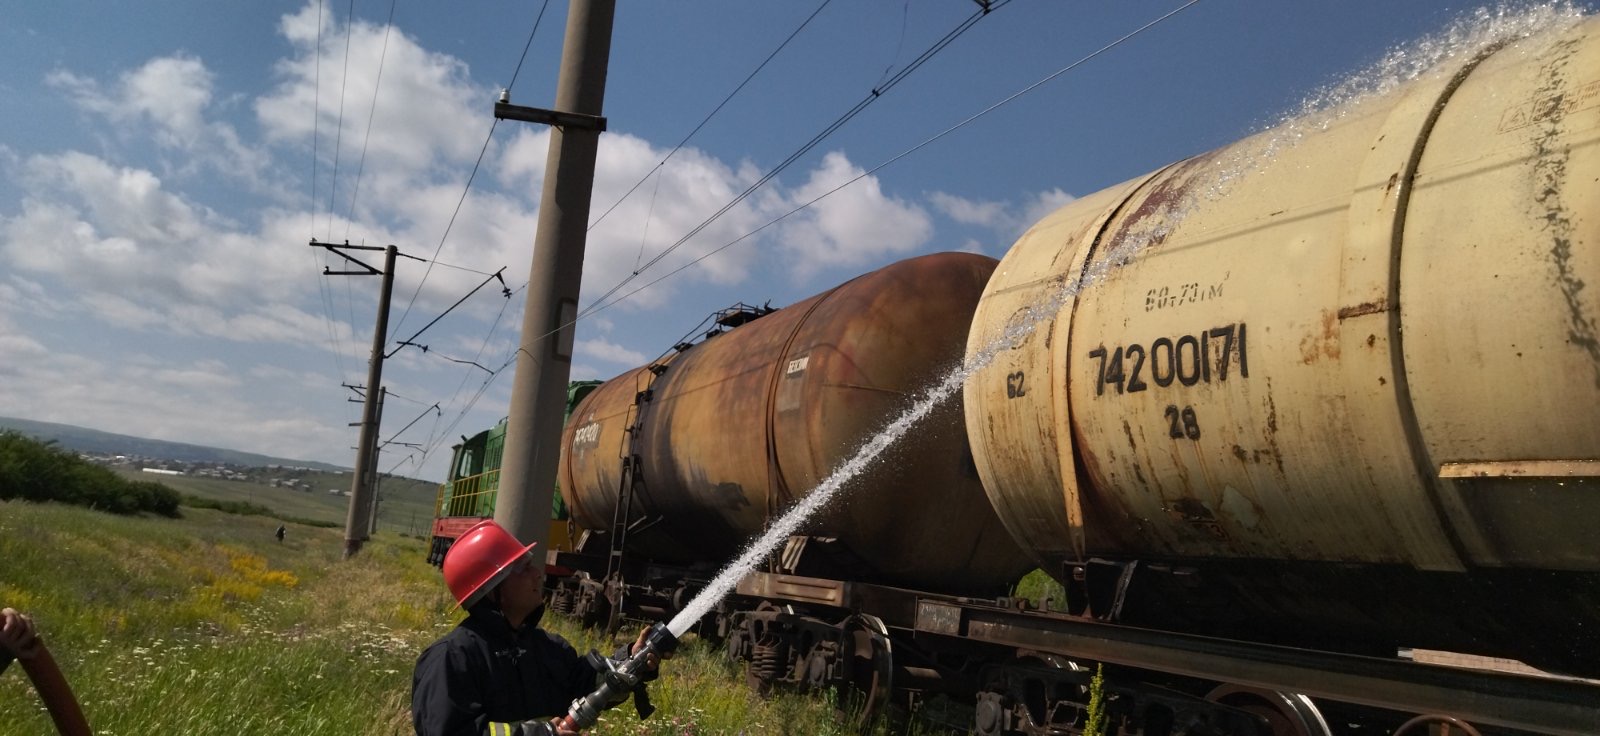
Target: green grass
(207, 624)
(406, 506)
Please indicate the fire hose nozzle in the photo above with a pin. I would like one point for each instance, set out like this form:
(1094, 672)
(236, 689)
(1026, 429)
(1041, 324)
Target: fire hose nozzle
(619, 680)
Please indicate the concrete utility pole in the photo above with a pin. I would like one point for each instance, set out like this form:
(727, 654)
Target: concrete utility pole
(356, 519)
(373, 489)
(544, 360)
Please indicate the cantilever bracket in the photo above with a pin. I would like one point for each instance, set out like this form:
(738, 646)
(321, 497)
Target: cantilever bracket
(580, 121)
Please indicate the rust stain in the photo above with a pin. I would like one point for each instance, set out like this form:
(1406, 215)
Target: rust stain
(1272, 412)
(1170, 195)
(1373, 307)
(1325, 344)
(1190, 509)
(1272, 433)
(1133, 457)
(1551, 156)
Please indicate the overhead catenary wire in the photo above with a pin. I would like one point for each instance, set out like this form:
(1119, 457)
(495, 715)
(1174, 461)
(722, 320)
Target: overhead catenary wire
(433, 442)
(712, 114)
(372, 110)
(495, 372)
(876, 92)
(338, 133)
(470, 177)
(516, 72)
(323, 287)
(947, 131)
(408, 341)
(601, 304)
(841, 121)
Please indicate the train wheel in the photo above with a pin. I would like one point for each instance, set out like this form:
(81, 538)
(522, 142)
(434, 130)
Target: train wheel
(869, 669)
(1287, 714)
(1032, 694)
(1447, 726)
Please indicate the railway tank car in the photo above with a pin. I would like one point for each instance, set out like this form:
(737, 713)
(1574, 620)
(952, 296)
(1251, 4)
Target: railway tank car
(720, 437)
(1336, 385)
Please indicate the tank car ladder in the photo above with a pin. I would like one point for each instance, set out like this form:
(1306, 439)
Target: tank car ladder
(621, 516)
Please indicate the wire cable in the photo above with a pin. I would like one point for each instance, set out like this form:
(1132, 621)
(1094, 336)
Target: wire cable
(325, 293)
(876, 92)
(1030, 88)
(711, 114)
(377, 84)
(468, 188)
(338, 136)
(816, 140)
(600, 304)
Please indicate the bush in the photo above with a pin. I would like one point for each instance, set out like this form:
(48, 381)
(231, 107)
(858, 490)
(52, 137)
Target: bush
(39, 471)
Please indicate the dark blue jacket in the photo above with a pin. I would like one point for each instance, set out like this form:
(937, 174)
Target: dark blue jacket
(484, 672)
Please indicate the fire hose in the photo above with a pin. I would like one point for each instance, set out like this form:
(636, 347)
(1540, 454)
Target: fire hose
(618, 681)
(54, 691)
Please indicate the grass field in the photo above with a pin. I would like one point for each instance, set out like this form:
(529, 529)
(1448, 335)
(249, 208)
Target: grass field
(405, 505)
(206, 624)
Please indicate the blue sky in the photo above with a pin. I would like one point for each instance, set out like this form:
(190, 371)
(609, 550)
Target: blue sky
(164, 165)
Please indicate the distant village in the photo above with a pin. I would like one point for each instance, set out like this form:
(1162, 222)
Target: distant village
(276, 476)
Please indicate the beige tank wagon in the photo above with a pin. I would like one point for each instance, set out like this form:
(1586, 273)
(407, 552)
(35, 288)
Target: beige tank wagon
(1336, 385)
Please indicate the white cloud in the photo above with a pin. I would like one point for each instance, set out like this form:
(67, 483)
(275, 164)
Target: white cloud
(168, 99)
(1006, 219)
(610, 352)
(973, 246)
(1041, 204)
(140, 395)
(422, 97)
(171, 92)
(132, 238)
(971, 212)
(852, 226)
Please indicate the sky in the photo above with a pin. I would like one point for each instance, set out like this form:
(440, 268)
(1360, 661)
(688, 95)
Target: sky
(165, 165)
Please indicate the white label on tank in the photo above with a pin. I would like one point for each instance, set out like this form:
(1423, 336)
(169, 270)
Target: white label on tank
(798, 364)
(586, 435)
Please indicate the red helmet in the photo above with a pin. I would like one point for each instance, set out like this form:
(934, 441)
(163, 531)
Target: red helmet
(479, 560)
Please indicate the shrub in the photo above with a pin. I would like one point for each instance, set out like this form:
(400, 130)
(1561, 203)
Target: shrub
(39, 471)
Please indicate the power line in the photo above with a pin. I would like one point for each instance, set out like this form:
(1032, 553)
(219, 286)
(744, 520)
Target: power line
(371, 112)
(711, 114)
(875, 93)
(492, 277)
(1030, 88)
(338, 136)
(536, 20)
(323, 288)
(470, 177)
(816, 140)
(434, 441)
(600, 304)
(493, 328)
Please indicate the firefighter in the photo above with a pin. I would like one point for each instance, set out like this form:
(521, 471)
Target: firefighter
(497, 673)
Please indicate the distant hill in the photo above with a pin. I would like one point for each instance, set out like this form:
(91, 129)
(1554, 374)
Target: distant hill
(83, 439)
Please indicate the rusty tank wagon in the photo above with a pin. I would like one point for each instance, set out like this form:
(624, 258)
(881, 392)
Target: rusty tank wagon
(717, 439)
